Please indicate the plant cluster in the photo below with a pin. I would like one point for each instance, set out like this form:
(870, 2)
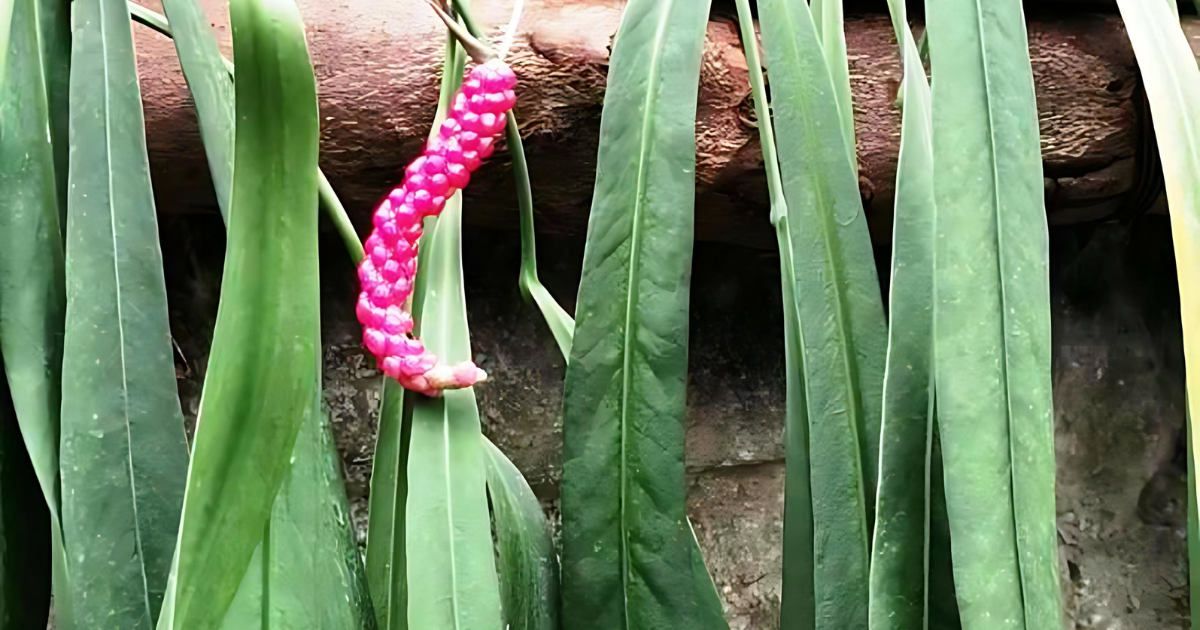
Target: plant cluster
(919, 437)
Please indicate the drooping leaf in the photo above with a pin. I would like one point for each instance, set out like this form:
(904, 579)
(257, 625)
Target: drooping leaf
(124, 455)
(798, 604)
(839, 309)
(264, 366)
(211, 89)
(992, 316)
(33, 138)
(526, 559)
(627, 547)
(313, 577)
(1172, 81)
(24, 529)
(451, 569)
(905, 572)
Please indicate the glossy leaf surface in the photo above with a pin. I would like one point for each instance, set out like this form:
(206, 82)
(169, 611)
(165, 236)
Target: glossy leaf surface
(124, 456)
(264, 366)
(627, 550)
(839, 309)
(527, 562)
(992, 317)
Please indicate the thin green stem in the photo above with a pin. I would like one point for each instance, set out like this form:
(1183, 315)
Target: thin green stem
(763, 110)
(328, 198)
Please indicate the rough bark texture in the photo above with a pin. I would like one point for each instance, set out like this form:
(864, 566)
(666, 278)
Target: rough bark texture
(377, 62)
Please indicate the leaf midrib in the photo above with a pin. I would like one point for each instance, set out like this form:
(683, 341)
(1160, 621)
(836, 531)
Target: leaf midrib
(854, 405)
(137, 525)
(631, 291)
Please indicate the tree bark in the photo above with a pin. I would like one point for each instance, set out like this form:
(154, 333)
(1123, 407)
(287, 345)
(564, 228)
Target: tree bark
(378, 63)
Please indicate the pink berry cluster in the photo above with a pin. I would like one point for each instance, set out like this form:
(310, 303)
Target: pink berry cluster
(386, 274)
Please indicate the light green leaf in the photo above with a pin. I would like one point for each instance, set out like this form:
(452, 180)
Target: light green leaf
(798, 604)
(451, 569)
(1172, 81)
(992, 317)
(829, 18)
(526, 558)
(911, 582)
(264, 366)
(839, 310)
(124, 455)
(627, 550)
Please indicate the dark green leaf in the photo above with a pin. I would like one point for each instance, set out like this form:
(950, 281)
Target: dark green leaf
(526, 559)
(314, 578)
(839, 311)
(385, 527)
(264, 367)
(212, 91)
(24, 529)
(992, 316)
(451, 569)
(124, 455)
(34, 57)
(627, 548)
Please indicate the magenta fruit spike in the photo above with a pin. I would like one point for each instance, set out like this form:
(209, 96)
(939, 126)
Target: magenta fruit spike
(386, 274)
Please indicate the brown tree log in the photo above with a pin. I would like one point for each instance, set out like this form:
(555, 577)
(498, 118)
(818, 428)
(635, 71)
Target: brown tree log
(377, 63)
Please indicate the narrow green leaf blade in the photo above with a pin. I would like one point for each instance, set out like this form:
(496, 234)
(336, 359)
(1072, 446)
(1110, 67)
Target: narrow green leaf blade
(911, 582)
(992, 316)
(1172, 81)
(386, 565)
(24, 529)
(526, 560)
(264, 362)
(451, 569)
(830, 21)
(838, 307)
(627, 550)
(124, 455)
(32, 295)
(212, 91)
(797, 605)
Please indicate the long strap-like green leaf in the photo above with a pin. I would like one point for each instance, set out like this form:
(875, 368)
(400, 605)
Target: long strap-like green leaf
(451, 570)
(1172, 81)
(992, 316)
(627, 550)
(797, 605)
(264, 367)
(124, 455)
(831, 31)
(838, 306)
(33, 151)
(911, 582)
